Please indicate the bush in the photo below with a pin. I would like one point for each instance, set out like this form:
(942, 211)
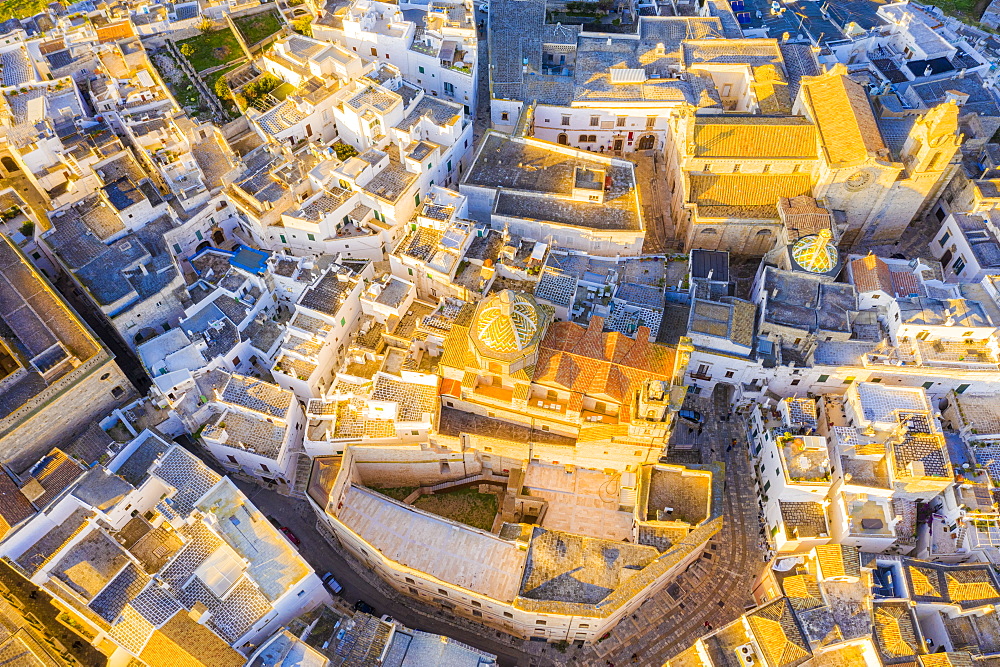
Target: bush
(344, 151)
(187, 50)
(256, 90)
(303, 26)
(205, 24)
(28, 229)
(222, 89)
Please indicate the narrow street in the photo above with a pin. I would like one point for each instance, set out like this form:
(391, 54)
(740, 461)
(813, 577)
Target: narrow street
(714, 590)
(300, 518)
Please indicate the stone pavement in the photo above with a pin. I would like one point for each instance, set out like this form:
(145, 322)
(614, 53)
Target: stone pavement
(717, 588)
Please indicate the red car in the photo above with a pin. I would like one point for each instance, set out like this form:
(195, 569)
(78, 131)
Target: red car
(290, 535)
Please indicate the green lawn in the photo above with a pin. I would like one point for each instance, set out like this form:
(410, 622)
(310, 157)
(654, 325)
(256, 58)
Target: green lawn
(398, 492)
(258, 27)
(20, 9)
(282, 91)
(966, 10)
(212, 49)
(466, 506)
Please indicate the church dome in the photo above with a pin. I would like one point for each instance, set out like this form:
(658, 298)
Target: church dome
(816, 253)
(507, 322)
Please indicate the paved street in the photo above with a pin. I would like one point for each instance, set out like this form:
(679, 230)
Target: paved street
(299, 516)
(716, 589)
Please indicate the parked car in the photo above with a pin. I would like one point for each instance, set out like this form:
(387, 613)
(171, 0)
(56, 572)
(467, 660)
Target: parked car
(484, 7)
(387, 619)
(287, 532)
(332, 583)
(692, 416)
(277, 524)
(361, 605)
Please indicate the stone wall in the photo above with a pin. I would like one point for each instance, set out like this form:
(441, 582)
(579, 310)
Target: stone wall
(56, 421)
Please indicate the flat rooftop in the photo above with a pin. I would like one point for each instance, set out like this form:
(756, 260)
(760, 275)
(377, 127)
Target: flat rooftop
(462, 556)
(527, 168)
(38, 330)
(579, 501)
(880, 402)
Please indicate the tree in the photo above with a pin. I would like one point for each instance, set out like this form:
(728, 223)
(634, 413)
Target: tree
(187, 50)
(222, 89)
(205, 24)
(303, 26)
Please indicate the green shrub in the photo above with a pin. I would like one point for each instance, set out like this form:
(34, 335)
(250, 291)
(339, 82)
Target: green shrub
(344, 151)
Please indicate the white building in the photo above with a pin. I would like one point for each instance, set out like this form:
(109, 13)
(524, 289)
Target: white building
(434, 45)
(157, 552)
(256, 429)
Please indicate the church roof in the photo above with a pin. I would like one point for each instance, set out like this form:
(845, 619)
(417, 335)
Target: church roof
(816, 253)
(745, 195)
(847, 126)
(749, 137)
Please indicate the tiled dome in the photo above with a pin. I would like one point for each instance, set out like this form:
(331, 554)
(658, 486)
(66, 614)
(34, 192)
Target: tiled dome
(816, 253)
(507, 322)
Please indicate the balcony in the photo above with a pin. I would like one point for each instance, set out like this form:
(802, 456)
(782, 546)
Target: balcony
(591, 417)
(547, 405)
(499, 394)
(975, 356)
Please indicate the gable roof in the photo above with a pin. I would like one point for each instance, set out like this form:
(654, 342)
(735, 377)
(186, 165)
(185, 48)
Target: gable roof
(841, 109)
(589, 361)
(778, 634)
(871, 274)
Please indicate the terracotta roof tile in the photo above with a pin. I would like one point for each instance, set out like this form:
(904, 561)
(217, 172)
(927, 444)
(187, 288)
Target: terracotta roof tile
(871, 274)
(14, 507)
(748, 137)
(841, 109)
(894, 631)
(115, 31)
(778, 634)
(906, 284)
(56, 472)
(746, 195)
(182, 642)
